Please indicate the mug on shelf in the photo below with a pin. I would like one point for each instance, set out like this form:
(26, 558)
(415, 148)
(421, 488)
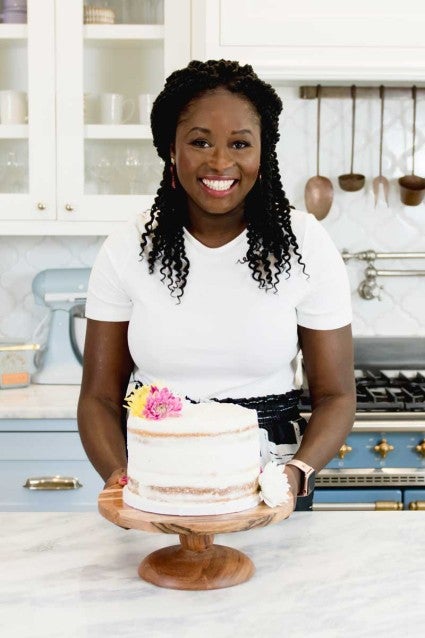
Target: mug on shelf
(13, 107)
(146, 101)
(112, 108)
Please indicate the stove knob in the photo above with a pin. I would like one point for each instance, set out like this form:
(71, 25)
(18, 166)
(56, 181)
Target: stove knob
(382, 448)
(420, 448)
(343, 450)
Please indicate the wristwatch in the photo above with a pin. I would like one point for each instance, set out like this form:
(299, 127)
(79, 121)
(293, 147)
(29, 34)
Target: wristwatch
(308, 476)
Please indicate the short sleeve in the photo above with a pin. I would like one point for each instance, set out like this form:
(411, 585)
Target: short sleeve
(107, 298)
(326, 302)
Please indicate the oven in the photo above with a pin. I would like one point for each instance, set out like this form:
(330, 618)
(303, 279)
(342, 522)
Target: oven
(381, 465)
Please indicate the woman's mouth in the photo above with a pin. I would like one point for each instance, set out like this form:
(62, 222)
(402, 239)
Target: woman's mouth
(218, 187)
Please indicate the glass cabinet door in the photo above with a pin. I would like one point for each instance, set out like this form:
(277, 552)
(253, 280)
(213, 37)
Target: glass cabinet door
(27, 112)
(111, 65)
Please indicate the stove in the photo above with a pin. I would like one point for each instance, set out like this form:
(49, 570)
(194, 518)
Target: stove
(381, 465)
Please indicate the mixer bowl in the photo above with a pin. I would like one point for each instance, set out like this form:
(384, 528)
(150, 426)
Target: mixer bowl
(77, 330)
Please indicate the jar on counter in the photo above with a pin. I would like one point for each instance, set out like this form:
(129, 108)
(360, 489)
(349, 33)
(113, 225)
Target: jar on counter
(17, 363)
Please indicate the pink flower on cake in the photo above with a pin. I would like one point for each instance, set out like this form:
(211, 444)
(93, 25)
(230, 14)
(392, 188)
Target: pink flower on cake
(161, 403)
(152, 402)
(274, 485)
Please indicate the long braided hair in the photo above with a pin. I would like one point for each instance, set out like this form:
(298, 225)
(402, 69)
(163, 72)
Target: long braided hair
(266, 210)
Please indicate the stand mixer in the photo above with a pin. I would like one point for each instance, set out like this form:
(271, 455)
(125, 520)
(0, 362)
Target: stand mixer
(64, 291)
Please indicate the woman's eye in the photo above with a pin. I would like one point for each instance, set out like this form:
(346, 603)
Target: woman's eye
(200, 143)
(241, 144)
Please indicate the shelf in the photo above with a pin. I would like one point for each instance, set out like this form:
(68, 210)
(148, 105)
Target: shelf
(13, 32)
(116, 132)
(124, 32)
(13, 131)
(58, 228)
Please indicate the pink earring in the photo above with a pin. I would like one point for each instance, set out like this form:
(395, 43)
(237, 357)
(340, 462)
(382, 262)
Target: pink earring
(173, 181)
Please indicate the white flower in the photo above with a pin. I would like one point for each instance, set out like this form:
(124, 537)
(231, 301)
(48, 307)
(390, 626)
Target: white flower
(274, 485)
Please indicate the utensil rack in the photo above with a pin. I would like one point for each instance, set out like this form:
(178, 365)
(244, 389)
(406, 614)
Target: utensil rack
(369, 288)
(309, 92)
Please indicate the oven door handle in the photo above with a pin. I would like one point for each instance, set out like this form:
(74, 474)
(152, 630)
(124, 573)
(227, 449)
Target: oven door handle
(377, 506)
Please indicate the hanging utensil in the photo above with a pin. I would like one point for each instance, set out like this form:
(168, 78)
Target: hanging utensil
(380, 181)
(412, 187)
(318, 192)
(352, 181)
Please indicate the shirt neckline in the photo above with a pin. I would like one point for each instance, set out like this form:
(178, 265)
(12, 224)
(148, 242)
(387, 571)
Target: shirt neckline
(218, 249)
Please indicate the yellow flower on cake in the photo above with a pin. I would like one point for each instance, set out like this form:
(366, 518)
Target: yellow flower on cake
(136, 400)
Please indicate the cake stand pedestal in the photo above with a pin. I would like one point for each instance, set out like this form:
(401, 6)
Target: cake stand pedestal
(197, 563)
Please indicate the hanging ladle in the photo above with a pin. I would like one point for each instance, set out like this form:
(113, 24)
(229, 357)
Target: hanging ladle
(318, 193)
(352, 181)
(381, 181)
(412, 187)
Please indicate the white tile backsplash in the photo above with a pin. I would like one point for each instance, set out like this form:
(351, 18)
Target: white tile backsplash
(353, 222)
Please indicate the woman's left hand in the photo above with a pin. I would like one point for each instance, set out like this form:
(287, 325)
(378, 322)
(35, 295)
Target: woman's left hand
(118, 478)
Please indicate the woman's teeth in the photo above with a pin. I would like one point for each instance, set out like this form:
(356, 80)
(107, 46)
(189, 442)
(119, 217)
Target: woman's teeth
(218, 184)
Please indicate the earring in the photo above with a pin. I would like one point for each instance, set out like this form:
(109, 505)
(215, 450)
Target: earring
(173, 180)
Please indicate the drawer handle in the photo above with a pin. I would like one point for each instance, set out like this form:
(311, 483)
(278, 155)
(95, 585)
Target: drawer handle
(378, 506)
(52, 483)
(417, 505)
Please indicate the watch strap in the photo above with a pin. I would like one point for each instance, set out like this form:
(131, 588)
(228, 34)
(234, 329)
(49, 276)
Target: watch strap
(308, 474)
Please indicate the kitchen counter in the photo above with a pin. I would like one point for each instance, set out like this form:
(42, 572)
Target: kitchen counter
(40, 402)
(320, 575)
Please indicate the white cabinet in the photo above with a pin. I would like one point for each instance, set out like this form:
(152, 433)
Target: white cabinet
(66, 171)
(311, 40)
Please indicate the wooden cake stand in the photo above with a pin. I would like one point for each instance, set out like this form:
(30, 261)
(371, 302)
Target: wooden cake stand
(196, 563)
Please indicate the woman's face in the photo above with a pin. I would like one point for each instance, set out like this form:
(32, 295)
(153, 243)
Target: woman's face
(217, 152)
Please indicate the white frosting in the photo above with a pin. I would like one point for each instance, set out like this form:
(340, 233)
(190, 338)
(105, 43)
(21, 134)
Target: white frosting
(204, 461)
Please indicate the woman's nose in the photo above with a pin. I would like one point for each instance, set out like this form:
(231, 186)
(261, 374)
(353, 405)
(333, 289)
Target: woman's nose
(221, 158)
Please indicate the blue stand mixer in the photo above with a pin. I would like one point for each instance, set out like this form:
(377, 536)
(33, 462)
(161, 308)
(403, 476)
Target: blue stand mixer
(64, 291)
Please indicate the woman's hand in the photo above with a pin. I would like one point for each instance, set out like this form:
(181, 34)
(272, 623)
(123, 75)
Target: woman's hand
(118, 478)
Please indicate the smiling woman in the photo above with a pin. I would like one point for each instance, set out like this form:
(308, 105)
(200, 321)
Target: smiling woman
(218, 287)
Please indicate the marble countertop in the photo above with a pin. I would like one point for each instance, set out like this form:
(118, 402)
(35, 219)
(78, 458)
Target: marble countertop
(40, 402)
(320, 575)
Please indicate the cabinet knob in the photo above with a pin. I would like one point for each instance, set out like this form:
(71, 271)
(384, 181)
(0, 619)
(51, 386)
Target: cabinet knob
(382, 448)
(69, 208)
(343, 450)
(41, 206)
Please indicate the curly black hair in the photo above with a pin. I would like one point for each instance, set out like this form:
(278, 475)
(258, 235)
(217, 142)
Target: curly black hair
(266, 210)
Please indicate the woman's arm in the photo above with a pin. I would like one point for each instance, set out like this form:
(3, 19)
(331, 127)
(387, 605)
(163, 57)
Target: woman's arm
(329, 366)
(101, 415)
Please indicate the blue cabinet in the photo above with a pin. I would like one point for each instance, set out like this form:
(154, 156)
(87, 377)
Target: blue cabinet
(31, 449)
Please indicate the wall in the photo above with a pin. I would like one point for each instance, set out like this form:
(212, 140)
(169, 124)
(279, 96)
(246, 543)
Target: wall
(354, 223)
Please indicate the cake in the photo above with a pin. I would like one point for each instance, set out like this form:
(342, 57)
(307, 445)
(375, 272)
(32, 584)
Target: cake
(190, 458)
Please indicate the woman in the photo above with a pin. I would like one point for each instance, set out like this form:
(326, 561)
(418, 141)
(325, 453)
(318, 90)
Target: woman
(216, 289)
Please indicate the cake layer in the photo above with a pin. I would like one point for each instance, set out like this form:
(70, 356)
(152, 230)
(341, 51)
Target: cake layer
(190, 509)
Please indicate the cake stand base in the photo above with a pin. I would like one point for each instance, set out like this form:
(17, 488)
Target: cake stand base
(196, 563)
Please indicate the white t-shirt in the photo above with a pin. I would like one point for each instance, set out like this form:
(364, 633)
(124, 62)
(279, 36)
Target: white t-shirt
(227, 337)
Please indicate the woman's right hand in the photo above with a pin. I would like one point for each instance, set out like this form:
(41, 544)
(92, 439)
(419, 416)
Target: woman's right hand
(118, 478)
